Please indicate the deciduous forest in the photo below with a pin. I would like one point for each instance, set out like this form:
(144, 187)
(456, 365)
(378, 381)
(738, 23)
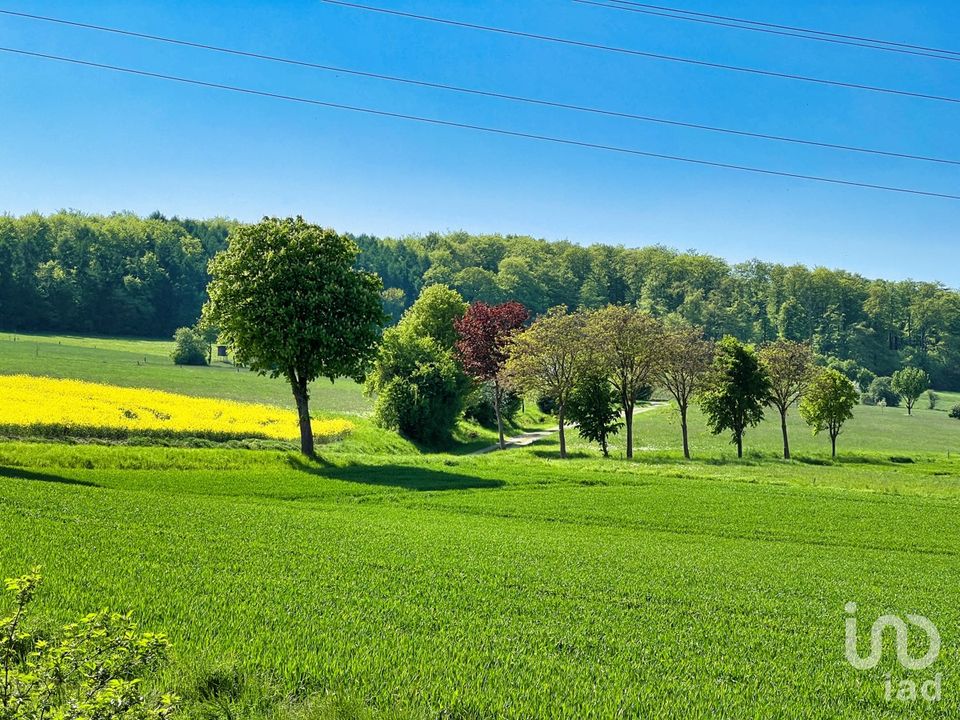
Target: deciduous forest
(123, 274)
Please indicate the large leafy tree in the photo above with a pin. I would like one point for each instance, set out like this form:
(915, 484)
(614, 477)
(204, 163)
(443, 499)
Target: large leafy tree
(548, 357)
(419, 387)
(484, 332)
(286, 297)
(685, 360)
(828, 403)
(737, 392)
(626, 345)
(789, 366)
(910, 383)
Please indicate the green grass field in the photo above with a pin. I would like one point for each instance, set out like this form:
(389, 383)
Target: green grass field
(383, 581)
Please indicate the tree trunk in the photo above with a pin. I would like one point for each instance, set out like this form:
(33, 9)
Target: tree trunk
(628, 418)
(786, 439)
(563, 439)
(740, 445)
(833, 443)
(496, 407)
(683, 430)
(302, 396)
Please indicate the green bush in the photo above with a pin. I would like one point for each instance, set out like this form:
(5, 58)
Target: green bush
(547, 404)
(881, 389)
(95, 669)
(190, 347)
(932, 399)
(481, 410)
(955, 412)
(420, 389)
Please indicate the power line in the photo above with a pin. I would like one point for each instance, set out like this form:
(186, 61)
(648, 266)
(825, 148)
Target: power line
(642, 53)
(789, 27)
(734, 23)
(481, 128)
(483, 93)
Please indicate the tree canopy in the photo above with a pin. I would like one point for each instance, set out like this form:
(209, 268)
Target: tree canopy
(121, 274)
(287, 299)
(828, 403)
(737, 391)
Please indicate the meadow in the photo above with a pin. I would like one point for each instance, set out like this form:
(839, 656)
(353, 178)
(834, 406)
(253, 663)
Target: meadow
(385, 581)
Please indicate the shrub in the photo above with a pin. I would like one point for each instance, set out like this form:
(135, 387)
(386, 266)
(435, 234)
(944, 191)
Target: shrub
(932, 399)
(955, 412)
(420, 388)
(547, 404)
(881, 389)
(94, 670)
(190, 347)
(480, 407)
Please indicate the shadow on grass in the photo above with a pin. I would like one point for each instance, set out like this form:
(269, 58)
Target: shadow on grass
(402, 476)
(15, 473)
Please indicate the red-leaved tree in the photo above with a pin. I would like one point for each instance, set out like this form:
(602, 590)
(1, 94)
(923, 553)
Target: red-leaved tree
(483, 333)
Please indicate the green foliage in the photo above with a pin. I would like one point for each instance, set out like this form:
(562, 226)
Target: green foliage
(394, 303)
(932, 399)
(737, 392)
(434, 313)
(95, 670)
(828, 403)
(955, 412)
(286, 298)
(124, 274)
(113, 274)
(480, 407)
(910, 383)
(190, 347)
(419, 387)
(548, 357)
(595, 408)
(546, 403)
(420, 390)
(881, 391)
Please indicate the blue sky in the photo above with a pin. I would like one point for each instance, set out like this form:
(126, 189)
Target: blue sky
(73, 137)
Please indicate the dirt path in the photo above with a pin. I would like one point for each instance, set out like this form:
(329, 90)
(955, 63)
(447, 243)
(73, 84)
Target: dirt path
(531, 437)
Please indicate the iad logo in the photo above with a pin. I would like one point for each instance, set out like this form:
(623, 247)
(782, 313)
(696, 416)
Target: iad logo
(906, 689)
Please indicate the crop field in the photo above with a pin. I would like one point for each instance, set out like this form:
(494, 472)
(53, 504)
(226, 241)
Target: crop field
(147, 364)
(76, 408)
(501, 585)
(381, 581)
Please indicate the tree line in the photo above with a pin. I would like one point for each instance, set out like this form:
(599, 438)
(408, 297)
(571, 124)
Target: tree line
(288, 297)
(122, 274)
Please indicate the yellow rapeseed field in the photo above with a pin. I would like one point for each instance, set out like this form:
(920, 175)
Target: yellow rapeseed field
(71, 407)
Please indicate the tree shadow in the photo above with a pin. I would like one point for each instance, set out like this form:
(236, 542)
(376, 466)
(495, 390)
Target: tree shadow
(15, 473)
(402, 476)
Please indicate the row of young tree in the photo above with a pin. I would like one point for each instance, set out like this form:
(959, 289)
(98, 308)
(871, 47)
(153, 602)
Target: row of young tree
(286, 295)
(594, 366)
(122, 274)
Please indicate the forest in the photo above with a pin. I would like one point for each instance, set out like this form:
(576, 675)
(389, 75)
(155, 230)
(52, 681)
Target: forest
(121, 274)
